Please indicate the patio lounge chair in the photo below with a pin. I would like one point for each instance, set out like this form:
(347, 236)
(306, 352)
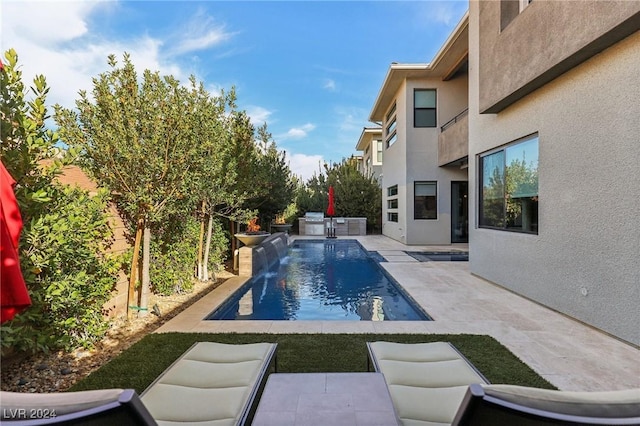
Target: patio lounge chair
(427, 381)
(211, 383)
(518, 405)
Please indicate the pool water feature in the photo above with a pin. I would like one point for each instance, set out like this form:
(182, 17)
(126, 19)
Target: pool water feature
(322, 280)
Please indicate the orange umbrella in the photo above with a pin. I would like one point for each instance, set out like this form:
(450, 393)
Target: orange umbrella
(14, 296)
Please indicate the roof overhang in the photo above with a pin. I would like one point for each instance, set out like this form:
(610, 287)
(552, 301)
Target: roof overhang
(367, 135)
(450, 58)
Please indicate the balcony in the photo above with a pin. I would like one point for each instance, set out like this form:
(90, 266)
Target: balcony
(453, 140)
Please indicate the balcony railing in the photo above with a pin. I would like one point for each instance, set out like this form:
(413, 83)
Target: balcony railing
(454, 120)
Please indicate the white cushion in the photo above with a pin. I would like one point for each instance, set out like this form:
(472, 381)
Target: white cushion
(210, 384)
(427, 381)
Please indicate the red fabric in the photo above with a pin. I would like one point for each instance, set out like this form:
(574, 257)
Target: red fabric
(331, 209)
(14, 296)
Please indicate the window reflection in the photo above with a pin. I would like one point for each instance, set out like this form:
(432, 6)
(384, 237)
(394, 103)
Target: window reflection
(509, 182)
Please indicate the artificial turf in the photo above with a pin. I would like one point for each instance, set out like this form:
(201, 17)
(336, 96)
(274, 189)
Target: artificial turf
(139, 365)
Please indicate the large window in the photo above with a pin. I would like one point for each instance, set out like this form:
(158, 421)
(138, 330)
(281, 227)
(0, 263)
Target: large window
(425, 200)
(509, 187)
(424, 108)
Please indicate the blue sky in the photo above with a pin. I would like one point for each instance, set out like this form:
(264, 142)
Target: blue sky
(310, 69)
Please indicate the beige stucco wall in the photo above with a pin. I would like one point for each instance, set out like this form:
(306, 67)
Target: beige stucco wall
(414, 157)
(585, 260)
(453, 143)
(544, 40)
(394, 171)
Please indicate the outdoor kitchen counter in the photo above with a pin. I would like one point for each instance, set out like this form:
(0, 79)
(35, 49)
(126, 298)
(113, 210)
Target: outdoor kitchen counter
(344, 226)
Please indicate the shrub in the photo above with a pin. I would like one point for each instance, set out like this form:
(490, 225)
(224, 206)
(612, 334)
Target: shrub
(69, 277)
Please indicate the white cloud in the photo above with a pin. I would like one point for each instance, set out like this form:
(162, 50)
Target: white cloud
(200, 33)
(258, 115)
(70, 54)
(30, 21)
(305, 166)
(330, 85)
(298, 132)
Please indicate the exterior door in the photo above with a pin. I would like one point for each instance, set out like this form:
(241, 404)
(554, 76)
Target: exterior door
(459, 212)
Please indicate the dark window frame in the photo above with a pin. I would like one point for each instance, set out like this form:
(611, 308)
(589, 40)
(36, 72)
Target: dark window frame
(499, 214)
(430, 205)
(417, 110)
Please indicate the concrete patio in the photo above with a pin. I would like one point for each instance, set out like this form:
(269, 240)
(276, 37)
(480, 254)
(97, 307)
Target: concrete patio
(567, 353)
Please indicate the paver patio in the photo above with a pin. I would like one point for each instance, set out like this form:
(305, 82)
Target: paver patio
(569, 354)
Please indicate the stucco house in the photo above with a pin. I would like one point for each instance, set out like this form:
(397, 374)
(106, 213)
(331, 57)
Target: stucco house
(554, 144)
(545, 124)
(424, 174)
(370, 144)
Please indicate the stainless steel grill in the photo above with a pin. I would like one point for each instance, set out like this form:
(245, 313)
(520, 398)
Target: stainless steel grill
(314, 223)
(314, 217)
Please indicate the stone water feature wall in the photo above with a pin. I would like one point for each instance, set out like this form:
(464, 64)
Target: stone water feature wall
(256, 259)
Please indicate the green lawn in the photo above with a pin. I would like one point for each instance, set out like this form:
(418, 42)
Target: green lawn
(138, 366)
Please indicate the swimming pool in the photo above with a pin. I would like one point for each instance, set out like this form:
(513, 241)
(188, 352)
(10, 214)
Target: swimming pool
(322, 280)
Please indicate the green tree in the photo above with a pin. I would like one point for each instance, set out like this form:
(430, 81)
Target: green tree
(134, 138)
(66, 231)
(218, 129)
(312, 195)
(273, 178)
(356, 195)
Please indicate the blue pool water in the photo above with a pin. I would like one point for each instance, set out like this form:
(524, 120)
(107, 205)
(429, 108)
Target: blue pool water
(322, 280)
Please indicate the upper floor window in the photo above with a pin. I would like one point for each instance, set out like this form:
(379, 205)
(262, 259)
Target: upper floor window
(424, 108)
(392, 190)
(509, 187)
(425, 200)
(509, 9)
(379, 151)
(390, 128)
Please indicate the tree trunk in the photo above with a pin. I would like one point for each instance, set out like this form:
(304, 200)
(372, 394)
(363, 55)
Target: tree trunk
(134, 269)
(146, 279)
(207, 248)
(201, 267)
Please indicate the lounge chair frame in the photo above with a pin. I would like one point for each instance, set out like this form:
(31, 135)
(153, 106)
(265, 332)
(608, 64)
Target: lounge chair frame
(478, 409)
(27, 409)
